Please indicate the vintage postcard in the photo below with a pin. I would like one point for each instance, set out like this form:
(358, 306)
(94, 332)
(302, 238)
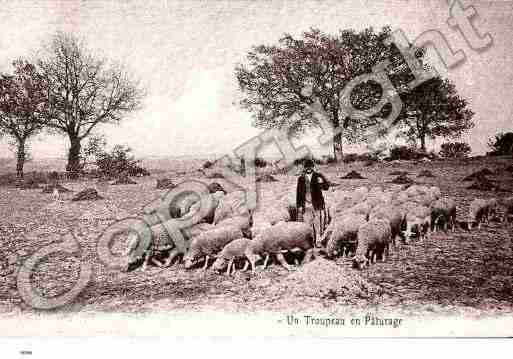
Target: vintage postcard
(256, 168)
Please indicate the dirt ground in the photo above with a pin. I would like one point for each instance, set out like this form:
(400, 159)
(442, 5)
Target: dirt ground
(448, 274)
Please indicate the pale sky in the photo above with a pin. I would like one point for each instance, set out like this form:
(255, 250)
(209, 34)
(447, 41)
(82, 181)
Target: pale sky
(185, 53)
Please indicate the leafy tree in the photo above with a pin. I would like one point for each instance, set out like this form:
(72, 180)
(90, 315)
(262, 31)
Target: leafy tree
(434, 109)
(23, 104)
(84, 92)
(273, 77)
(501, 144)
(455, 150)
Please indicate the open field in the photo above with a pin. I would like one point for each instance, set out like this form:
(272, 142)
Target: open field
(450, 273)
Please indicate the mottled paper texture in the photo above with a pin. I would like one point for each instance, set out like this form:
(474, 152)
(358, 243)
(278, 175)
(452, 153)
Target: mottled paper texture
(256, 168)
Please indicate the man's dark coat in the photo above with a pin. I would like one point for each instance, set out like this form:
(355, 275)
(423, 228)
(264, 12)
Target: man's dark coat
(316, 189)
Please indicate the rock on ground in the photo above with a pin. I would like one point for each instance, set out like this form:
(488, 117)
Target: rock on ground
(215, 187)
(124, 180)
(165, 183)
(402, 179)
(89, 194)
(479, 175)
(426, 173)
(266, 178)
(51, 187)
(353, 175)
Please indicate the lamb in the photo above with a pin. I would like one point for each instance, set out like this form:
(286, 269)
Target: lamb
(418, 221)
(210, 243)
(278, 239)
(479, 212)
(341, 235)
(443, 210)
(230, 253)
(394, 216)
(374, 238)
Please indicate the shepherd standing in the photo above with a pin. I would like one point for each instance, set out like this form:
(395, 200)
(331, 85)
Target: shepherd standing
(309, 199)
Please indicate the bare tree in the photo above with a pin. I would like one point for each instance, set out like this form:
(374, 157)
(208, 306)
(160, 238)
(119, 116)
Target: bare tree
(23, 105)
(84, 91)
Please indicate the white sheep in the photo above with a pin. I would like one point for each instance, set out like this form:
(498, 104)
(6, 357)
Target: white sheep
(387, 197)
(415, 190)
(259, 224)
(231, 252)
(275, 215)
(209, 213)
(55, 194)
(340, 205)
(435, 192)
(395, 188)
(376, 190)
(400, 198)
(161, 242)
(362, 208)
(232, 204)
(424, 199)
(493, 207)
(289, 204)
(341, 234)
(278, 239)
(479, 212)
(393, 215)
(359, 194)
(209, 243)
(244, 223)
(443, 211)
(507, 207)
(418, 221)
(374, 239)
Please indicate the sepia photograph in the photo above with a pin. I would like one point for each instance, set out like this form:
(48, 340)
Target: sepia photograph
(314, 169)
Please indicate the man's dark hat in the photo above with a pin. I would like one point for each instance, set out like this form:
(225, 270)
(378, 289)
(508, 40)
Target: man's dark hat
(308, 163)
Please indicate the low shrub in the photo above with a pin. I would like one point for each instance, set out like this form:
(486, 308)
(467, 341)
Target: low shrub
(455, 150)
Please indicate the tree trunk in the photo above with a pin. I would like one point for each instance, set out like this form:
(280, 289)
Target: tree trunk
(423, 143)
(338, 152)
(242, 167)
(73, 166)
(20, 158)
(337, 140)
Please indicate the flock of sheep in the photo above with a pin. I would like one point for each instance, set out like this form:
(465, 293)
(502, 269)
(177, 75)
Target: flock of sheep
(363, 223)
